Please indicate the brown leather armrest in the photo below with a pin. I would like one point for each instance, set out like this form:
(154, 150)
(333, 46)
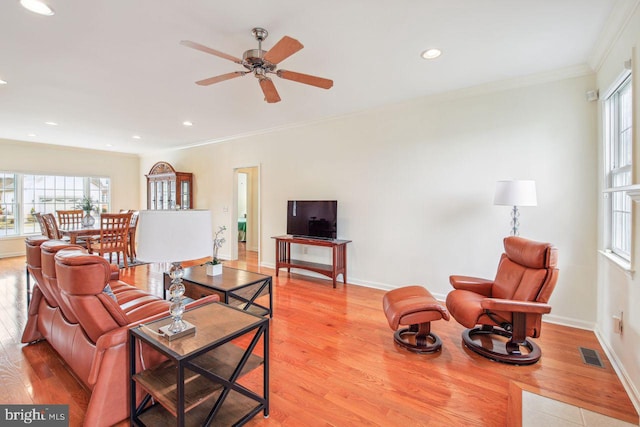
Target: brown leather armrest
(473, 284)
(114, 338)
(497, 304)
(202, 301)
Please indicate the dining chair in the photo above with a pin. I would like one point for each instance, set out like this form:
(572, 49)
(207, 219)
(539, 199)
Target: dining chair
(133, 227)
(70, 217)
(131, 247)
(114, 236)
(43, 225)
(73, 218)
(53, 232)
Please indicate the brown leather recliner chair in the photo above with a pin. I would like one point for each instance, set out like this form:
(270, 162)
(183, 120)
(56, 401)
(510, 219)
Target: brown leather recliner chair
(509, 308)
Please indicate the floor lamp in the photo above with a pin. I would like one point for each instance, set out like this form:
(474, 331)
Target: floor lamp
(175, 236)
(515, 193)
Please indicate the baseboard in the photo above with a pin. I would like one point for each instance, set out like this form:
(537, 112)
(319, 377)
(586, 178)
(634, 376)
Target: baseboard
(268, 265)
(566, 321)
(11, 254)
(628, 385)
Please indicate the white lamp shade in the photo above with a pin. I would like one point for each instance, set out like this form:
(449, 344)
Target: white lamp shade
(515, 193)
(174, 236)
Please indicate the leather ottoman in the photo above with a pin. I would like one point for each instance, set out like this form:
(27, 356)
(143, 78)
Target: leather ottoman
(415, 307)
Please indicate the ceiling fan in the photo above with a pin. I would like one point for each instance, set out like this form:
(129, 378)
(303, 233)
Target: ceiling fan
(261, 63)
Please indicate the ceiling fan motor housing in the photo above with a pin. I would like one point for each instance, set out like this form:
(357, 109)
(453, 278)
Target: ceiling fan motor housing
(253, 60)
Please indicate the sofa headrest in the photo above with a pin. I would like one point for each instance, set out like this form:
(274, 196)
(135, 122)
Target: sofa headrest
(48, 252)
(32, 246)
(80, 273)
(529, 253)
(53, 246)
(35, 240)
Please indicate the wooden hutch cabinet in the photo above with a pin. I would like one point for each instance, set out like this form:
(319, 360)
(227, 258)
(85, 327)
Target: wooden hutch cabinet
(168, 189)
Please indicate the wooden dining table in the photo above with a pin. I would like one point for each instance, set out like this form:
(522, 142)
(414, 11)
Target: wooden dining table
(74, 231)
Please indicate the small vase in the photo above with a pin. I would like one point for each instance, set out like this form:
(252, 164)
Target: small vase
(88, 220)
(214, 269)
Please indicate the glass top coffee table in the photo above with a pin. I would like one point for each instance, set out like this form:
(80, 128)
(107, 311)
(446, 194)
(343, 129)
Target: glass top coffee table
(239, 288)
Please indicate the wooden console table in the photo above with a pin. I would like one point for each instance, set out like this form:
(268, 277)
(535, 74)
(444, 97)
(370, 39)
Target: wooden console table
(338, 263)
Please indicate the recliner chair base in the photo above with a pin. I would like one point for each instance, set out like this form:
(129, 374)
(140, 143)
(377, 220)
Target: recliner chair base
(503, 351)
(425, 341)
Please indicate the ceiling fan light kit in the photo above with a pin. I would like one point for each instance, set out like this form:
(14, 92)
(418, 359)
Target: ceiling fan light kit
(261, 63)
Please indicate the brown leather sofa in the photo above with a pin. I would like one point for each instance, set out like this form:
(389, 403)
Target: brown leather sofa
(87, 326)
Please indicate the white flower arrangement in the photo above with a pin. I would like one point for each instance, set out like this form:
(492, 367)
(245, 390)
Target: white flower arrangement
(218, 241)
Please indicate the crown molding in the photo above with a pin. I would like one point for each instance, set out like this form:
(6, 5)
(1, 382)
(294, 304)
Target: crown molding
(616, 23)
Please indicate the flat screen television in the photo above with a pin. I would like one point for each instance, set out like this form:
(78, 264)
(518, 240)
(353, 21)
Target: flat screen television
(312, 218)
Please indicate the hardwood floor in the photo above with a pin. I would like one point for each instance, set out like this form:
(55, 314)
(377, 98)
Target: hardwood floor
(334, 362)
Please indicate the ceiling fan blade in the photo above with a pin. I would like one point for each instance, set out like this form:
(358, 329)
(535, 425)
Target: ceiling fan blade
(202, 48)
(306, 79)
(221, 78)
(283, 49)
(269, 90)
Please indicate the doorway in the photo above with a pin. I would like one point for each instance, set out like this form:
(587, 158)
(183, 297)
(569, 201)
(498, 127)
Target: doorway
(246, 246)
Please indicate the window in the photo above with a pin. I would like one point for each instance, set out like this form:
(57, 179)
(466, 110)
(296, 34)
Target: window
(618, 167)
(22, 195)
(8, 204)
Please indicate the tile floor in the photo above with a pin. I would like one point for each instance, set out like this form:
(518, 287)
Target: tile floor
(541, 411)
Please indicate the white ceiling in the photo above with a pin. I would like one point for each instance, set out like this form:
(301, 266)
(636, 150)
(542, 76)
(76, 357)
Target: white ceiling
(108, 70)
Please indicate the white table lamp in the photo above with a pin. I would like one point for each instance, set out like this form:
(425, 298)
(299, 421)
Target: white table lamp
(175, 236)
(515, 193)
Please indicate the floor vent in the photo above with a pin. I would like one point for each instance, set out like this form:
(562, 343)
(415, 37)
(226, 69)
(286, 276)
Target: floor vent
(591, 357)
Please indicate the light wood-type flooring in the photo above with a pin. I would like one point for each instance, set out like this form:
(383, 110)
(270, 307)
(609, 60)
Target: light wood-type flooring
(334, 362)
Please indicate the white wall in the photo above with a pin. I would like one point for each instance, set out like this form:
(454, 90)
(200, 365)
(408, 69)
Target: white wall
(415, 181)
(24, 157)
(619, 291)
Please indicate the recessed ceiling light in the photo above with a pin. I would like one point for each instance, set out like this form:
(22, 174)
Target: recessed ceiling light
(108, 145)
(136, 137)
(431, 53)
(187, 123)
(51, 123)
(37, 6)
(2, 82)
(31, 134)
